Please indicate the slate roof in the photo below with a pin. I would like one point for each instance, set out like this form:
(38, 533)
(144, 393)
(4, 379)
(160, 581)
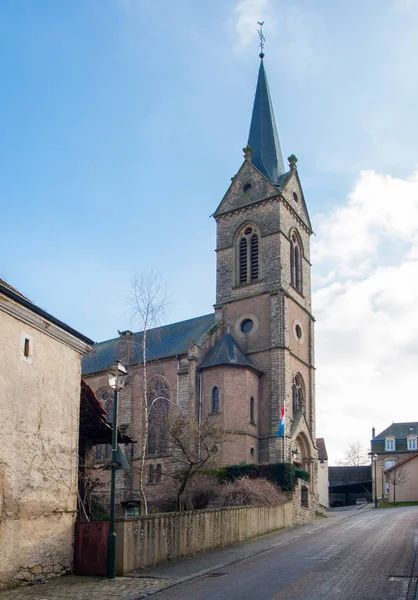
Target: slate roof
(263, 137)
(10, 292)
(162, 342)
(400, 432)
(349, 475)
(322, 451)
(227, 352)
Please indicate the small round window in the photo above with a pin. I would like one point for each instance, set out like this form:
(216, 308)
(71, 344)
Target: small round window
(295, 197)
(247, 325)
(298, 331)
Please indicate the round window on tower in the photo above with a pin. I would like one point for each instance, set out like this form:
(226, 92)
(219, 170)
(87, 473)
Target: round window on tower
(247, 325)
(298, 331)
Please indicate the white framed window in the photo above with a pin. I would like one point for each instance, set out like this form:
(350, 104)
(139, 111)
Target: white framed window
(389, 463)
(390, 444)
(26, 347)
(412, 443)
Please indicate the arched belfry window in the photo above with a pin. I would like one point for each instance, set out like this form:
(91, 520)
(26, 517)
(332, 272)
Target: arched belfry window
(296, 255)
(215, 400)
(298, 393)
(158, 404)
(248, 246)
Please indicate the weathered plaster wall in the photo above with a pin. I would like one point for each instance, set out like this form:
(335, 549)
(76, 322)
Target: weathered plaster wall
(323, 498)
(40, 400)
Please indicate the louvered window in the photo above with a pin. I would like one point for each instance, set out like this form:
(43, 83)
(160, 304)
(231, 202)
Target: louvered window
(243, 259)
(295, 262)
(248, 256)
(254, 257)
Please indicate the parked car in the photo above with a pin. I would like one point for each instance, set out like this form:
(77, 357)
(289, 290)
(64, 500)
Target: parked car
(361, 501)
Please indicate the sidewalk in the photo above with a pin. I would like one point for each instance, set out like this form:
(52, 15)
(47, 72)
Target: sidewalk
(143, 583)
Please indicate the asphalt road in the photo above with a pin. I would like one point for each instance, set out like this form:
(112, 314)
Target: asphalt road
(371, 555)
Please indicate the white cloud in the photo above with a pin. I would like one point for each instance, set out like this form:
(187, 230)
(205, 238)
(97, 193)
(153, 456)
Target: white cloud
(367, 325)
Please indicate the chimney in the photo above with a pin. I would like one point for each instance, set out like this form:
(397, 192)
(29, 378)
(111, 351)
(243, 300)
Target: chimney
(126, 346)
(373, 432)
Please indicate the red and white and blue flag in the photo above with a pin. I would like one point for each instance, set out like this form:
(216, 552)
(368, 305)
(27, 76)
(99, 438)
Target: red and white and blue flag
(282, 426)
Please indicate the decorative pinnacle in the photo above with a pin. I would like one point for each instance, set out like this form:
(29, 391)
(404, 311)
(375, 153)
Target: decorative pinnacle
(262, 38)
(292, 162)
(248, 153)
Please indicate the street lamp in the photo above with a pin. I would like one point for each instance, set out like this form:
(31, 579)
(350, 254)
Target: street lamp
(375, 480)
(116, 376)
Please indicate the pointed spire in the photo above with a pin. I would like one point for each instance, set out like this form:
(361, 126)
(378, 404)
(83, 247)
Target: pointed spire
(263, 137)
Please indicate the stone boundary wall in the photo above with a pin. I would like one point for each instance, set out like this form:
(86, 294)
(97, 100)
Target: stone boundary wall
(155, 539)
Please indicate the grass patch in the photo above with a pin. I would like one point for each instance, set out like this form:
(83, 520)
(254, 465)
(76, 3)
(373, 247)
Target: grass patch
(396, 504)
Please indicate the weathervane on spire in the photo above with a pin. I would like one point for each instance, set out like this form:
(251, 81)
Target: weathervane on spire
(262, 38)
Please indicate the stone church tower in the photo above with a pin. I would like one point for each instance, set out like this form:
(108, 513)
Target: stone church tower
(238, 366)
(263, 287)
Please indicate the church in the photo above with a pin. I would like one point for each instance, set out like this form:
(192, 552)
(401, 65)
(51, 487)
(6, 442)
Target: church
(254, 355)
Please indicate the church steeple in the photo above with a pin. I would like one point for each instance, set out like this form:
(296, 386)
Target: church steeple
(263, 137)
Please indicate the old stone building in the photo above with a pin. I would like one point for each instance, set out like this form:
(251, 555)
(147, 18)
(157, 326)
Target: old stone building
(40, 378)
(255, 353)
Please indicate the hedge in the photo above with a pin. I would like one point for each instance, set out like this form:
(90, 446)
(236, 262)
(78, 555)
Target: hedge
(281, 474)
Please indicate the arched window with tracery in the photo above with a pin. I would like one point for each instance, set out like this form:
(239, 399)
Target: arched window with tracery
(215, 400)
(158, 405)
(248, 246)
(106, 400)
(296, 255)
(298, 393)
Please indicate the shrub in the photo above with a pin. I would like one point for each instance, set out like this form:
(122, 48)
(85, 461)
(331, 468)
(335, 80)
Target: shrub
(201, 492)
(247, 491)
(281, 474)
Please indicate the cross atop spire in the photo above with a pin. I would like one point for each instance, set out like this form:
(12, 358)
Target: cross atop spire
(263, 137)
(262, 38)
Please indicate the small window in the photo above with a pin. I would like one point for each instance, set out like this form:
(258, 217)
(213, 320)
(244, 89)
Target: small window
(412, 443)
(252, 452)
(151, 474)
(295, 197)
(247, 187)
(158, 473)
(252, 418)
(215, 400)
(247, 325)
(132, 511)
(304, 497)
(298, 331)
(26, 347)
(389, 463)
(390, 444)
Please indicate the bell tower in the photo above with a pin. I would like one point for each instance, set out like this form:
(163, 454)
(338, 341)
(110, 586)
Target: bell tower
(263, 286)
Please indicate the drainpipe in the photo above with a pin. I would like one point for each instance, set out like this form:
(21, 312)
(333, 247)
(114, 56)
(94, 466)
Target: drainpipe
(199, 418)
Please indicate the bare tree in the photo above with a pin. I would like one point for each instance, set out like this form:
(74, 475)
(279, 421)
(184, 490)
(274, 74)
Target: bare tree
(396, 476)
(149, 303)
(192, 445)
(355, 456)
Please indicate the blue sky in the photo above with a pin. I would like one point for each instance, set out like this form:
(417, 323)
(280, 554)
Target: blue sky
(122, 122)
